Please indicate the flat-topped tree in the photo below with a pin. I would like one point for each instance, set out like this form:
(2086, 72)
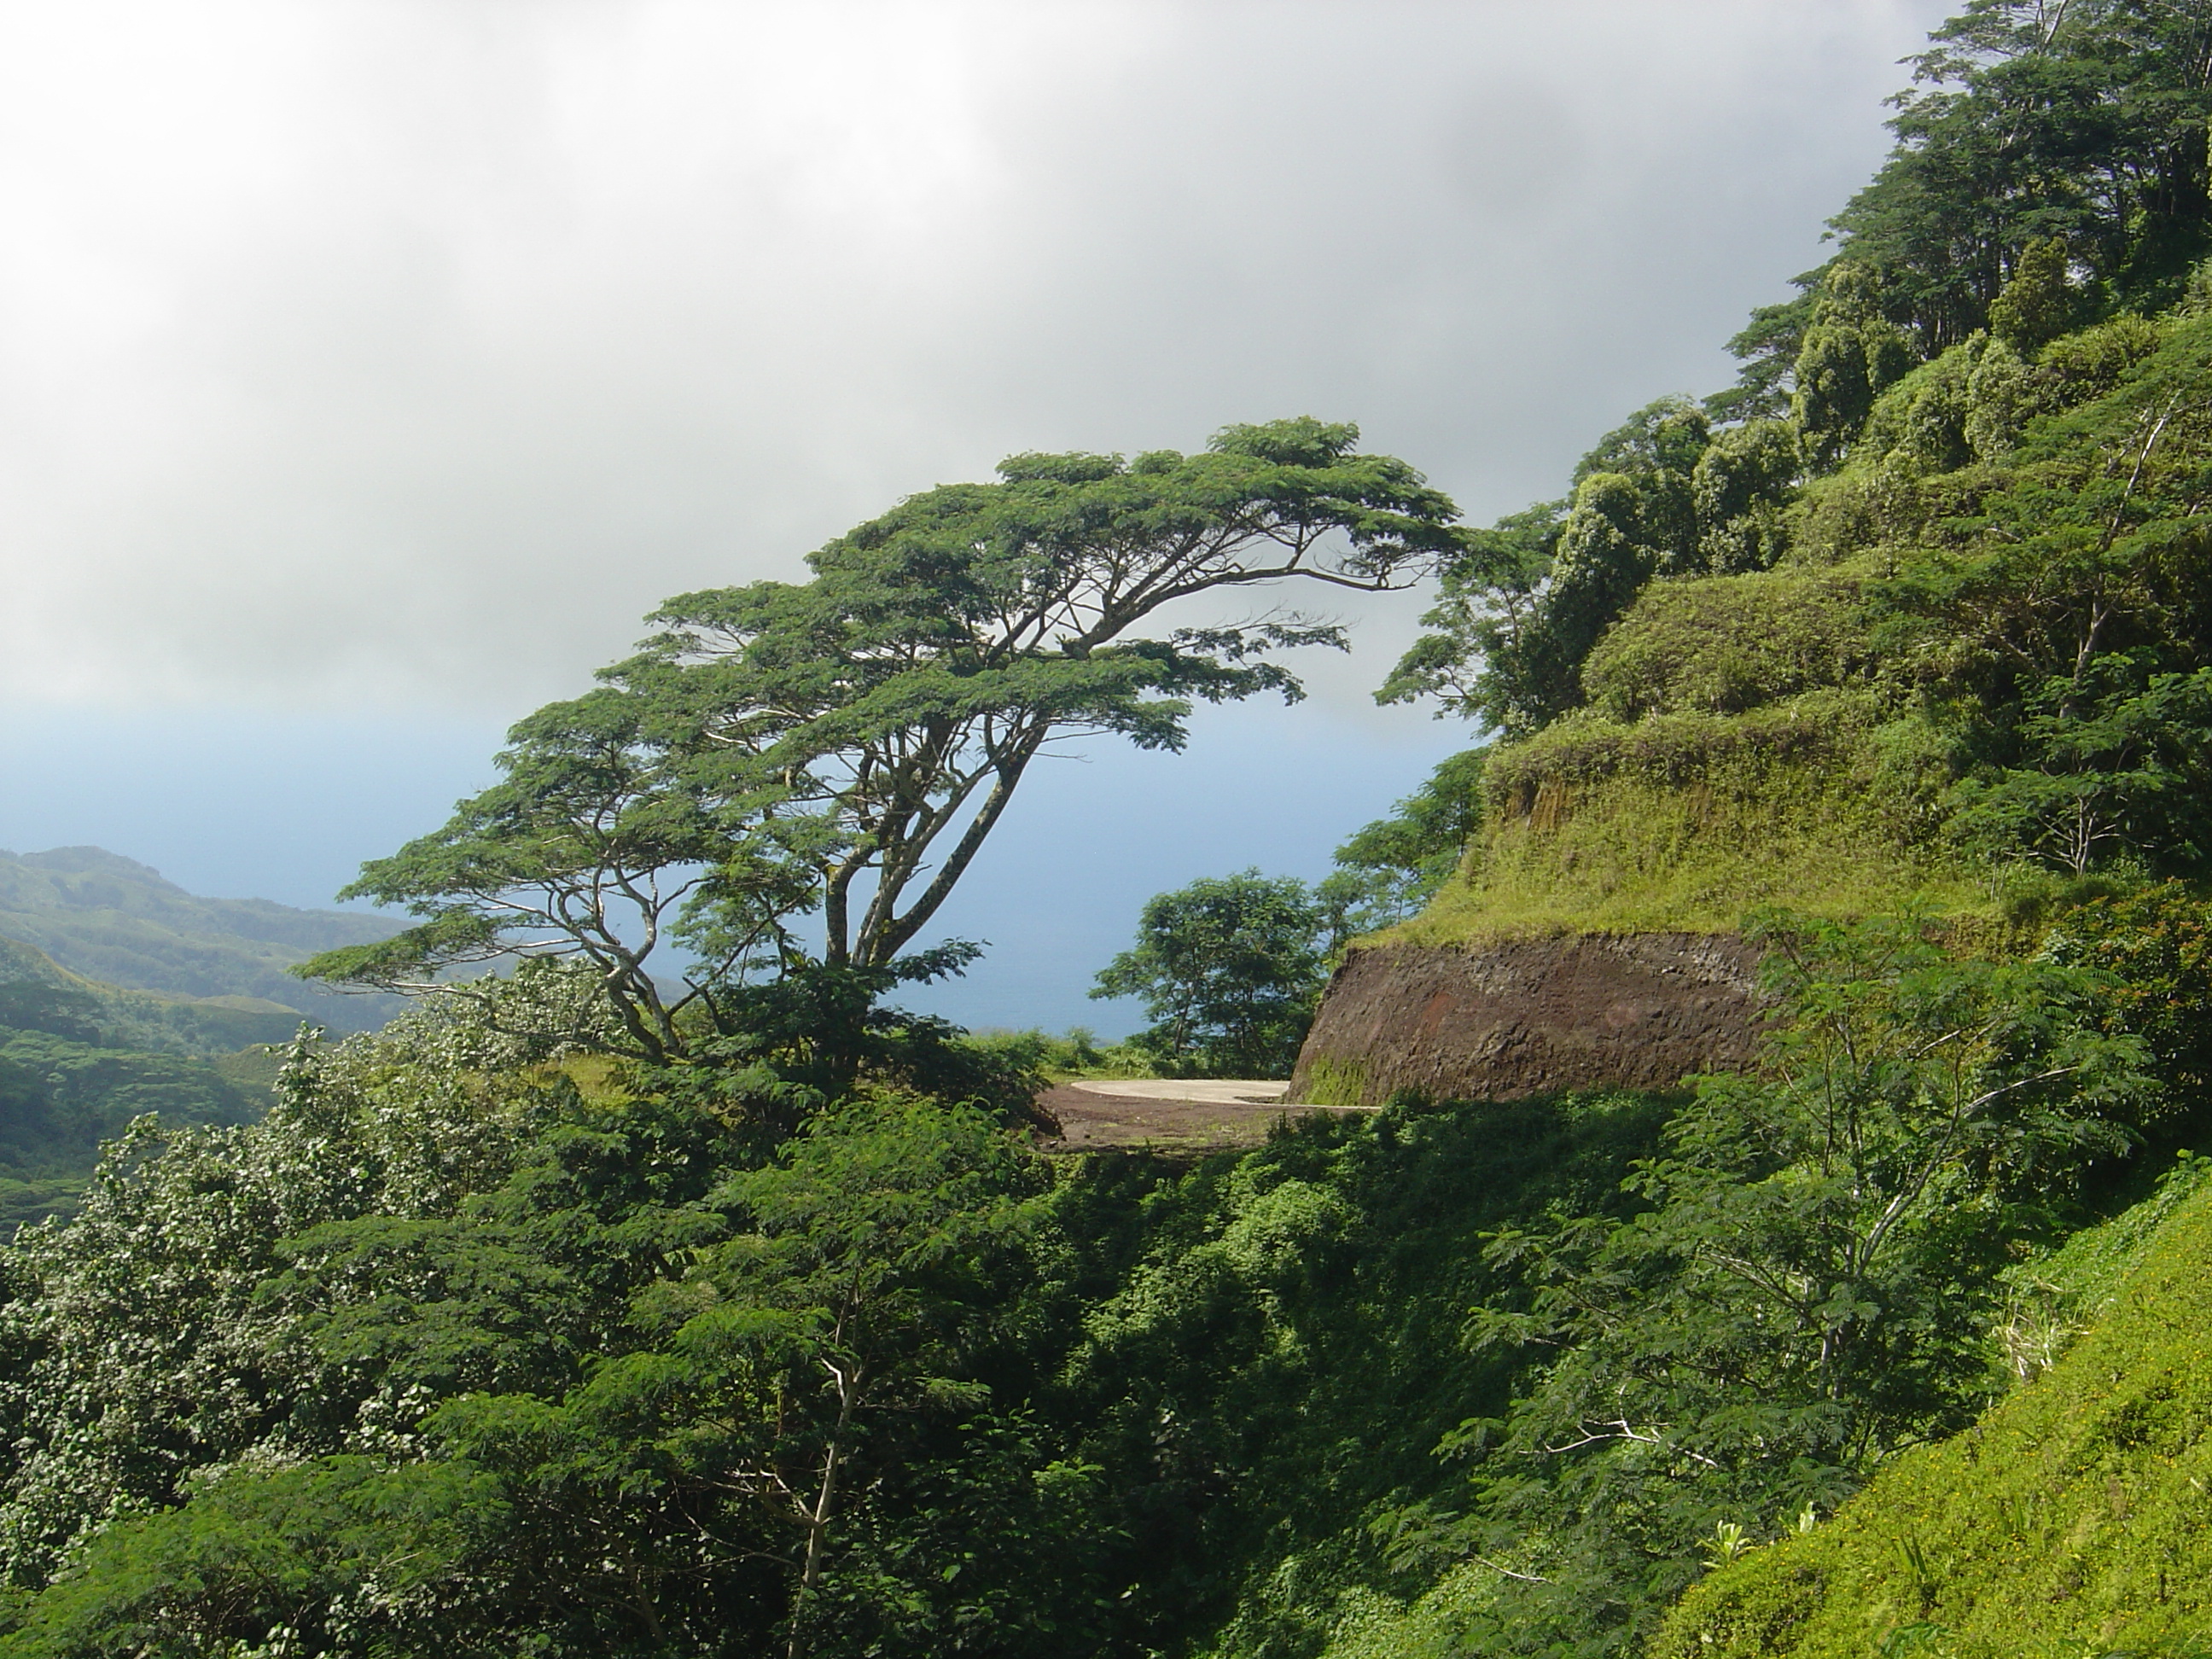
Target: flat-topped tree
(848, 743)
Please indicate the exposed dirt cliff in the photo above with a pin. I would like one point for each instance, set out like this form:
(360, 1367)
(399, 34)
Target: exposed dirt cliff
(1527, 1017)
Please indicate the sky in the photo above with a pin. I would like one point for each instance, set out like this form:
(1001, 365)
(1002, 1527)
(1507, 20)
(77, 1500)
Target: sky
(368, 370)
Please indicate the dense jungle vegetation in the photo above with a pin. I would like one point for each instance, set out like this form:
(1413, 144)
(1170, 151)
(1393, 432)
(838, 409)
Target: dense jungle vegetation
(584, 1309)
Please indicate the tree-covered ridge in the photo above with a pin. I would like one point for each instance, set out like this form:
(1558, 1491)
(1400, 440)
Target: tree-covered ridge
(117, 921)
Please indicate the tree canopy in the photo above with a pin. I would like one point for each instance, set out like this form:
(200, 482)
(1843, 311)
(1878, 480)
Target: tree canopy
(848, 743)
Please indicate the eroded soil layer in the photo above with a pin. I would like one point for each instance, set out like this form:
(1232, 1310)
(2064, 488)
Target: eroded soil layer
(1532, 1016)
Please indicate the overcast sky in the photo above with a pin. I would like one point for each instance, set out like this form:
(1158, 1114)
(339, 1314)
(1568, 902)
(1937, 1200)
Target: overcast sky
(366, 370)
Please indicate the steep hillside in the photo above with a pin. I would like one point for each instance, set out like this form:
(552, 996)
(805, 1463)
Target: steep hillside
(2010, 551)
(2073, 1513)
(118, 921)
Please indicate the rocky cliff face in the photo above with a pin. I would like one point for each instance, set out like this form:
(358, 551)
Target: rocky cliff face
(1530, 1017)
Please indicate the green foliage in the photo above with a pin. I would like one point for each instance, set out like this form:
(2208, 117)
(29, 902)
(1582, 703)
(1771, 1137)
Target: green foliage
(780, 748)
(1490, 658)
(136, 1349)
(1265, 1362)
(1075, 1053)
(1850, 354)
(1520, 608)
(1388, 870)
(2070, 1511)
(2153, 948)
(1719, 645)
(60, 1099)
(786, 1045)
(2113, 758)
(1230, 968)
(825, 1336)
(2039, 303)
(2053, 617)
(485, 1362)
(473, 1347)
(1997, 664)
(463, 1350)
(1737, 492)
(2030, 123)
(1767, 346)
(342, 1556)
(1976, 401)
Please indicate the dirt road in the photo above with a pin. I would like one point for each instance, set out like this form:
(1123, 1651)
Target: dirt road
(1170, 1114)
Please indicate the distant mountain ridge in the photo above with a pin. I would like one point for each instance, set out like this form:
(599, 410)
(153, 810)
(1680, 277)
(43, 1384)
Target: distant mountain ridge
(114, 920)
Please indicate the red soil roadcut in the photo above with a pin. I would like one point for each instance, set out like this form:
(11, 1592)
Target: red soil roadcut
(1529, 1017)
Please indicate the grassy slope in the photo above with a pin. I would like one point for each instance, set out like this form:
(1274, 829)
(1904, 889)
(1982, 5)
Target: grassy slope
(1682, 818)
(2076, 1511)
(1702, 818)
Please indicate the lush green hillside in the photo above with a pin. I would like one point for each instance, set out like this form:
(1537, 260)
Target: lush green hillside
(2072, 1514)
(79, 1061)
(1981, 655)
(119, 922)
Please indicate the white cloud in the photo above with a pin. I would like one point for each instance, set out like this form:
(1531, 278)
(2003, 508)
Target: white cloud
(386, 353)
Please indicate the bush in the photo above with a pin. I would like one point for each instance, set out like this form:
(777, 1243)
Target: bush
(1719, 644)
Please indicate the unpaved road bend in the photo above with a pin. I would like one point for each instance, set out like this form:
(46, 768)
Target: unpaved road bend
(1185, 1115)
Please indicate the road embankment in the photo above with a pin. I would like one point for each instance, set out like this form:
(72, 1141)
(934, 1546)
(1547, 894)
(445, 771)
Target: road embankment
(1533, 1016)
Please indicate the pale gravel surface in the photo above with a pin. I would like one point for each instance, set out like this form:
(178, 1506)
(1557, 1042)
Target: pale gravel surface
(1206, 1091)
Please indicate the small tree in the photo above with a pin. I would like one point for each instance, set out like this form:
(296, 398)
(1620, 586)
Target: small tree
(1230, 968)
